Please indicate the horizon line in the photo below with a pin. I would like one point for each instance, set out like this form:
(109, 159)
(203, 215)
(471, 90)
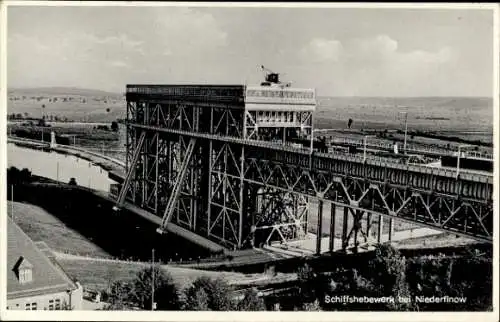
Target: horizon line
(318, 96)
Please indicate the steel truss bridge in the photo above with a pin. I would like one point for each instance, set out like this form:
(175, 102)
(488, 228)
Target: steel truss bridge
(194, 161)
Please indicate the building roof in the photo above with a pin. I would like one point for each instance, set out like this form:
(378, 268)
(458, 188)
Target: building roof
(47, 278)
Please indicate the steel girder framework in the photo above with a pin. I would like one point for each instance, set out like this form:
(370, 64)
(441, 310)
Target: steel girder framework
(215, 200)
(458, 205)
(241, 192)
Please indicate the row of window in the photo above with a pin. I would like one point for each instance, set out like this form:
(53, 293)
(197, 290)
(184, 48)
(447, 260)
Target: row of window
(184, 91)
(280, 93)
(53, 305)
(276, 116)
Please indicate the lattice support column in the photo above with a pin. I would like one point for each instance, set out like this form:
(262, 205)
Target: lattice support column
(319, 227)
(226, 195)
(380, 228)
(333, 210)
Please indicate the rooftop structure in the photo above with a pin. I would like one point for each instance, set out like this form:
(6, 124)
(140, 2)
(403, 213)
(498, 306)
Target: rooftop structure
(34, 280)
(271, 111)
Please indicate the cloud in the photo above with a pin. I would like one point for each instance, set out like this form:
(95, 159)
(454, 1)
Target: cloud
(321, 50)
(373, 50)
(118, 63)
(187, 29)
(150, 41)
(376, 65)
(108, 47)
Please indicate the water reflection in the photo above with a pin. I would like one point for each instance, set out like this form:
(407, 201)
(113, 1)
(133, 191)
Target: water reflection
(59, 167)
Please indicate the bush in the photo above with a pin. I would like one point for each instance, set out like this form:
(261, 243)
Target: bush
(349, 282)
(16, 176)
(251, 301)
(314, 306)
(138, 292)
(307, 281)
(218, 295)
(449, 276)
(199, 301)
(166, 292)
(389, 269)
(119, 296)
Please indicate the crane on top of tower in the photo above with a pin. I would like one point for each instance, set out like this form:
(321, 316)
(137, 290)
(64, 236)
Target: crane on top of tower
(267, 70)
(272, 78)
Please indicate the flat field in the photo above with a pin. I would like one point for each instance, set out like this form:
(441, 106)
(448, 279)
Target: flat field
(40, 225)
(98, 274)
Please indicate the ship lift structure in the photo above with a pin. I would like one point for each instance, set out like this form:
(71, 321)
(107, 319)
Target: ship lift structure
(222, 162)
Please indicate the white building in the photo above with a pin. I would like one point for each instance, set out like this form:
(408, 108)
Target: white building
(35, 281)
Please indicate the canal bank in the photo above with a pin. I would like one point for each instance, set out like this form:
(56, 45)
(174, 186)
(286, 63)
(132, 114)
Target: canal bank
(60, 164)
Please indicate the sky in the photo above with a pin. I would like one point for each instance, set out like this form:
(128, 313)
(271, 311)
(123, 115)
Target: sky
(339, 52)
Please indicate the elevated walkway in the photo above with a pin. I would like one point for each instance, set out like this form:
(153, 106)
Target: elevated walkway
(307, 247)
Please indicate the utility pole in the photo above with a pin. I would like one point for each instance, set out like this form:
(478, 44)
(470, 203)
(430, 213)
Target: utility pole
(12, 201)
(153, 280)
(458, 157)
(364, 145)
(406, 129)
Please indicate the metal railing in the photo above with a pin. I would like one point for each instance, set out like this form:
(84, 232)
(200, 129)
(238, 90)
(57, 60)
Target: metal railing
(67, 148)
(379, 161)
(413, 148)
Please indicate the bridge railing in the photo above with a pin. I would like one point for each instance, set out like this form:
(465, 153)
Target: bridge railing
(304, 154)
(69, 147)
(412, 148)
(333, 167)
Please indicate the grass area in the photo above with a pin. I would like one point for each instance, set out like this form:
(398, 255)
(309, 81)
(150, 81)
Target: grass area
(451, 141)
(443, 240)
(399, 225)
(40, 225)
(88, 108)
(97, 274)
(424, 113)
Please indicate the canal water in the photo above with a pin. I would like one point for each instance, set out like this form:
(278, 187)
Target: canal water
(57, 166)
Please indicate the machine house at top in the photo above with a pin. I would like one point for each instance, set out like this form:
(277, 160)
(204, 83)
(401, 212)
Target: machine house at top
(271, 111)
(276, 112)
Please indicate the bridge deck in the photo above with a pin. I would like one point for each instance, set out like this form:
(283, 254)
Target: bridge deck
(482, 177)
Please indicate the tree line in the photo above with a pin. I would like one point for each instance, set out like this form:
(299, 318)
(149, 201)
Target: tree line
(27, 116)
(64, 99)
(204, 294)
(387, 274)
